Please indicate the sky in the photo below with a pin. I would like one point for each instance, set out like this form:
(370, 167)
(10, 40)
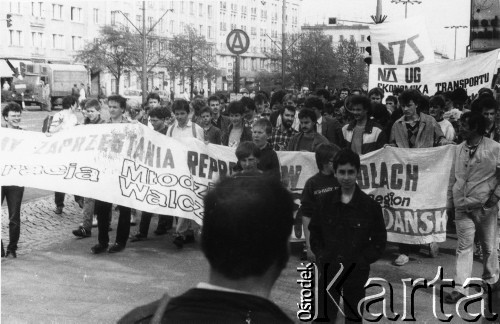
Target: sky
(437, 13)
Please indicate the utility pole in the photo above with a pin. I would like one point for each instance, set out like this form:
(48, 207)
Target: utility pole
(455, 27)
(144, 34)
(144, 52)
(283, 44)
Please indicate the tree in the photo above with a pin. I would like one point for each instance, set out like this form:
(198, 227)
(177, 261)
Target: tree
(111, 51)
(309, 59)
(352, 72)
(192, 56)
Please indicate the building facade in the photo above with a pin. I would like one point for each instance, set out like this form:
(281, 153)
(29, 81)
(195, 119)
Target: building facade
(54, 31)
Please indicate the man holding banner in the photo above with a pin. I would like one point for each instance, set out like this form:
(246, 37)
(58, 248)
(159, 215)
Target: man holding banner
(415, 130)
(474, 192)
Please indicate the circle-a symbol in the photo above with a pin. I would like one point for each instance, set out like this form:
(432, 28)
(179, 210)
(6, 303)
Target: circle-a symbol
(237, 41)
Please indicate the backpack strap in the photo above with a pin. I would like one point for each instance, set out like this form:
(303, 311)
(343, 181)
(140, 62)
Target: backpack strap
(193, 126)
(171, 130)
(160, 310)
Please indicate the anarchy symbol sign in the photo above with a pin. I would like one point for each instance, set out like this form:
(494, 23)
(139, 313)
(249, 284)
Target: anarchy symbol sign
(237, 41)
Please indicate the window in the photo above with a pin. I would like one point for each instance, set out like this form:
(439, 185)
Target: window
(351, 37)
(58, 41)
(182, 6)
(362, 38)
(254, 64)
(223, 5)
(253, 31)
(56, 11)
(262, 64)
(76, 14)
(341, 38)
(36, 9)
(209, 11)
(200, 10)
(36, 39)
(96, 15)
(127, 23)
(15, 7)
(113, 18)
(191, 8)
(201, 30)
(209, 34)
(150, 22)
(15, 38)
(76, 43)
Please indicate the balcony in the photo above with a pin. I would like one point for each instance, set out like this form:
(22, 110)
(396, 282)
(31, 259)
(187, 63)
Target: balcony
(37, 22)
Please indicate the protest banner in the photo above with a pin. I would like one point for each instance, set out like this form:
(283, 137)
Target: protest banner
(404, 42)
(134, 166)
(472, 74)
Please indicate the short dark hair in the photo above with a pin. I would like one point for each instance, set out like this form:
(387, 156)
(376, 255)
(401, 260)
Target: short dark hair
(376, 91)
(160, 112)
(475, 120)
(93, 103)
(153, 95)
(323, 93)
(68, 102)
(263, 122)
(392, 98)
(213, 98)
(206, 109)
(254, 217)
(119, 99)
(236, 107)
(288, 107)
(198, 104)
(437, 101)
(260, 98)
(308, 113)
(314, 102)
(346, 156)
(247, 148)
(248, 103)
(362, 100)
(277, 97)
(180, 104)
(324, 153)
(411, 95)
(345, 89)
(11, 106)
(485, 92)
(380, 113)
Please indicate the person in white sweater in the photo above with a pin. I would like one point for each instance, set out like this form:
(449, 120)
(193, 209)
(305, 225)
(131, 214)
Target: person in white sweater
(436, 110)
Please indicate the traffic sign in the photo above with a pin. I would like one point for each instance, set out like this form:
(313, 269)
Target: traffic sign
(237, 41)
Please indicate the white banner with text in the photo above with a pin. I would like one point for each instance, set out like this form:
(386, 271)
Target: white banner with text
(134, 166)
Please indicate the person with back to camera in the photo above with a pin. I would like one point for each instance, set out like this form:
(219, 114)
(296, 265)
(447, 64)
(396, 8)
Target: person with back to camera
(253, 216)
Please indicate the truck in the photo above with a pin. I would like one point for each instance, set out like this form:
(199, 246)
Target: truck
(60, 79)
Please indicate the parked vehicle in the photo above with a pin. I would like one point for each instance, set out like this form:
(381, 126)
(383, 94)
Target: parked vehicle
(60, 79)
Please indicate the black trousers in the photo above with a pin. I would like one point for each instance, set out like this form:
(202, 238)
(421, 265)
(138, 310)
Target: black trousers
(14, 196)
(59, 198)
(350, 283)
(164, 223)
(103, 211)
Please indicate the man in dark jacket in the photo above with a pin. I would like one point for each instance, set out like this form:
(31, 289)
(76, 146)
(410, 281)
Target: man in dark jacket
(326, 126)
(347, 234)
(240, 278)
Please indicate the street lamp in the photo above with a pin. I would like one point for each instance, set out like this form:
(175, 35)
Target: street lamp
(406, 2)
(455, 27)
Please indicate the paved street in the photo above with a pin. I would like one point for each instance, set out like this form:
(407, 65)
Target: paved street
(62, 282)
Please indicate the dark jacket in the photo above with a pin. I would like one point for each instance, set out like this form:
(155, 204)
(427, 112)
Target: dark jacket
(246, 135)
(293, 144)
(211, 306)
(332, 130)
(269, 162)
(222, 123)
(374, 137)
(353, 232)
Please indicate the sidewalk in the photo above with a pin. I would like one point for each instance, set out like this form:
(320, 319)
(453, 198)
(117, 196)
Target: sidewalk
(56, 279)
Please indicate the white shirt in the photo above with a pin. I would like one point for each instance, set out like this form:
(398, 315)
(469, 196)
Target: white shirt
(64, 118)
(186, 131)
(205, 285)
(448, 130)
(319, 126)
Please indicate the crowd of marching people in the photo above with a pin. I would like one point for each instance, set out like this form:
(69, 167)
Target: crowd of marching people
(326, 123)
